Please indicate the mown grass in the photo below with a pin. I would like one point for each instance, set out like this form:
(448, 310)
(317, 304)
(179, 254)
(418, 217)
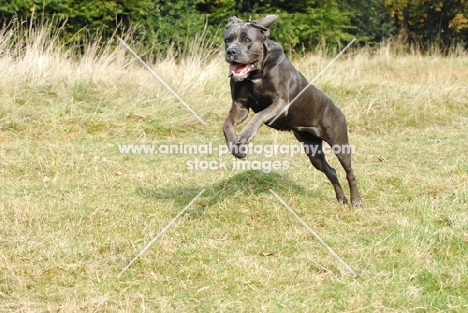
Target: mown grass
(75, 211)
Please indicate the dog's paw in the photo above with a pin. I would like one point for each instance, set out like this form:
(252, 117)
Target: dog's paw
(240, 156)
(238, 150)
(357, 203)
(245, 136)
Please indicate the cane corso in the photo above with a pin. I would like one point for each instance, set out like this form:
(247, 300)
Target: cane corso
(263, 79)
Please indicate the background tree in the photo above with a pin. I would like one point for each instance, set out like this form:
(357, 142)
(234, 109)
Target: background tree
(302, 24)
(426, 22)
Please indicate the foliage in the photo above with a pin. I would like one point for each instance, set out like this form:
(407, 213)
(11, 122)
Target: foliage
(302, 25)
(426, 21)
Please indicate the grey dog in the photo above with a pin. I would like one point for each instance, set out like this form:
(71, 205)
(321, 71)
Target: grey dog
(263, 79)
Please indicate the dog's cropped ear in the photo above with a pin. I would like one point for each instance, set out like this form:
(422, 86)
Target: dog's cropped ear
(233, 21)
(264, 23)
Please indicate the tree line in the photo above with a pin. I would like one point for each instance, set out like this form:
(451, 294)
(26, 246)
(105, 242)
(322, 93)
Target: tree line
(303, 24)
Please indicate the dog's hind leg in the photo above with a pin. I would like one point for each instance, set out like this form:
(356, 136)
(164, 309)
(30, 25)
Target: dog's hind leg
(343, 153)
(337, 138)
(313, 149)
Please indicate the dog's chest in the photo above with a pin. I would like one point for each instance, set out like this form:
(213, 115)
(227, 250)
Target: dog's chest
(261, 95)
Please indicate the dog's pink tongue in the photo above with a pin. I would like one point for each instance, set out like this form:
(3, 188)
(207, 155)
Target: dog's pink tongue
(239, 70)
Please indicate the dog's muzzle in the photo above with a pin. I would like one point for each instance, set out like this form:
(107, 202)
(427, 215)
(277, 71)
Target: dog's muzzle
(238, 70)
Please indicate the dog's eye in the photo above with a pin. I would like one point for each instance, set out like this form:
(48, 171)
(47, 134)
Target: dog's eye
(247, 40)
(226, 40)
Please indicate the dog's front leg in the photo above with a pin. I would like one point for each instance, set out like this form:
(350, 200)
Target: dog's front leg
(237, 114)
(250, 131)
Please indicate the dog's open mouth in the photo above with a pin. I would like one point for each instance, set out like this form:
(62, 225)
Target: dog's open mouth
(240, 71)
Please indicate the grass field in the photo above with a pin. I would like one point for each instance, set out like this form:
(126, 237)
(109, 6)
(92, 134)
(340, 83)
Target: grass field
(74, 211)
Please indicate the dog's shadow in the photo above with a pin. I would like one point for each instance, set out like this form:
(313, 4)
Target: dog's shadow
(245, 184)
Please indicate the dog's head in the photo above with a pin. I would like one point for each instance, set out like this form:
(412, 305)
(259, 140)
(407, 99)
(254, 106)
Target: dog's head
(244, 45)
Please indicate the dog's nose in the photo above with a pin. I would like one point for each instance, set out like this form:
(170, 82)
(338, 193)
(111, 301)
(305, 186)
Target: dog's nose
(232, 51)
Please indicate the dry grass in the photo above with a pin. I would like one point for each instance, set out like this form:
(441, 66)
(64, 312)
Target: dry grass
(75, 211)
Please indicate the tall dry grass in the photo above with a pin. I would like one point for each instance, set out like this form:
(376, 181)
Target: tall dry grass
(37, 57)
